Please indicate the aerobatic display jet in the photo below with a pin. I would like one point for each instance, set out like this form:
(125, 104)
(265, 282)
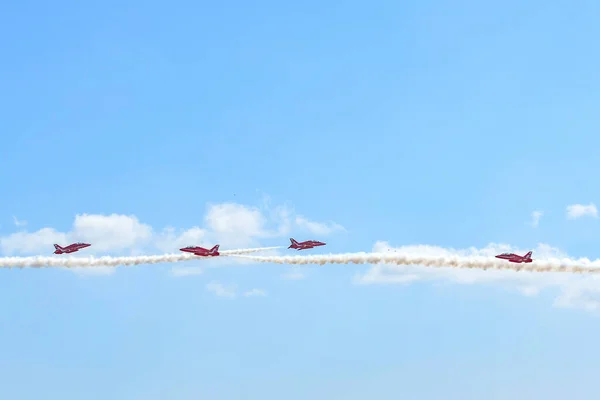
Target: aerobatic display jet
(70, 248)
(309, 244)
(516, 258)
(201, 251)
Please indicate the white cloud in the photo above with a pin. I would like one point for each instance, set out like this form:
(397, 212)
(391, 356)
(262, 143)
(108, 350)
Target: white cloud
(281, 215)
(231, 291)
(169, 240)
(535, 218)
(318, 228)
(255, 293)
(583, 295)
(234, 225)
(19, 222)
(575, 291)
(32, 243)
(230, 224)
(220, 290)
(105, 232)
(232, 218)
(575, 211)
(111, 232)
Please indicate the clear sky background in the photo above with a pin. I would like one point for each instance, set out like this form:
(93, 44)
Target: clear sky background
(144, 126)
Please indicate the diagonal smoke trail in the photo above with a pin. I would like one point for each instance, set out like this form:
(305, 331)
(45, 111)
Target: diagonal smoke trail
(582, 266)
(90, 262)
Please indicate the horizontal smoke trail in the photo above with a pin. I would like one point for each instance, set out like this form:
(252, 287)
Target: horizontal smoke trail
(106, 261)
(246, 251)
(582, 266)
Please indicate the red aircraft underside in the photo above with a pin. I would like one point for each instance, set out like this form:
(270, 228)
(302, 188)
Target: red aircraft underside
(70, 248)
(201, 251)
(515, 258)
(309, 244)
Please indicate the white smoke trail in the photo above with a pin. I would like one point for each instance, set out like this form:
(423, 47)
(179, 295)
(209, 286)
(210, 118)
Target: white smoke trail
(581, 266)
(247, 251)
(90, 262)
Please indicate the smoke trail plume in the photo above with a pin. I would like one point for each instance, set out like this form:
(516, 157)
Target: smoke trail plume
(90, 262)
(247, 251)
(582, 266)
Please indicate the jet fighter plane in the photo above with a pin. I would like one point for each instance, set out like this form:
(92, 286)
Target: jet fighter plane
(70, 248)
(309, 244)
(201, 251)
(515, 258)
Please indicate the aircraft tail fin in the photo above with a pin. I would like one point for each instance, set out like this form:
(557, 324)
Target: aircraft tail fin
(293, 242)
(528, 255)
(215, 249)
(57, 247)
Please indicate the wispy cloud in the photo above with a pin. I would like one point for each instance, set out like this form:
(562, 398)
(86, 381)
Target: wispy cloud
(220, 290)
(231, 291)
(18, 222)
(535, 218)
(575, 211)
(255, 293)
(318, 228)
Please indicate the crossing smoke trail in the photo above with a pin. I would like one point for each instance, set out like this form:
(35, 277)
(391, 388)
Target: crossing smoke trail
(90, 262)
(581, 266)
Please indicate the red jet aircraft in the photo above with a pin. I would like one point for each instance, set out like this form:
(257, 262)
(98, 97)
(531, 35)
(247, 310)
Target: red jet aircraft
(72, 248)
(309, 244)
(516, 258)
(201, 251)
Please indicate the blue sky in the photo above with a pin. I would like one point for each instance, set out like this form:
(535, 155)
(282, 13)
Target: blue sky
(407, 123)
